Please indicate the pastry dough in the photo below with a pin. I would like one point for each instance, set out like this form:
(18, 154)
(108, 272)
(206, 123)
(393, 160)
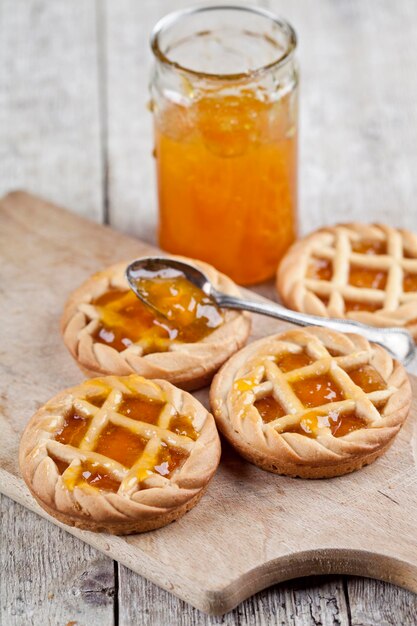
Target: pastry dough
(312, 403)
(119, 454)
(366, 273)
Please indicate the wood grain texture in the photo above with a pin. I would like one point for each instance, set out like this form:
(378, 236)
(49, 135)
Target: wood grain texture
(49, 102)
(398, 607)
(64, 581)
(50, 142)
(358, 117)
(295, 604)
(243, 506)
(357, 149)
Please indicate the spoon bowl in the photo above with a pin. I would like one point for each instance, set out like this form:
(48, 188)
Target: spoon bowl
(397, 341)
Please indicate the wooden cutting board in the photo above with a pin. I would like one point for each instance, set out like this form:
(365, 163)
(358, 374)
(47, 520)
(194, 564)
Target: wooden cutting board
(252, 528)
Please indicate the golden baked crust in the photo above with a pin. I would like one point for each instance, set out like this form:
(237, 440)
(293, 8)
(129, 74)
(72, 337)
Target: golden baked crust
(159, 470)
(384, 295)
(188, 365)
(311, 450)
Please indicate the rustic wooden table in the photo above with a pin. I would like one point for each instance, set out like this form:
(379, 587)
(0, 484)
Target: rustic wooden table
(74, 128)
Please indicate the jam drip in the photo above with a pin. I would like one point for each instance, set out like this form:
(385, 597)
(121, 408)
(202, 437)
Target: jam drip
(186, 315)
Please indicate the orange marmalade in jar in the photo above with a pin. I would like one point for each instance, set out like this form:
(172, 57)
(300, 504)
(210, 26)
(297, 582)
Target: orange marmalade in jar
(224, 98)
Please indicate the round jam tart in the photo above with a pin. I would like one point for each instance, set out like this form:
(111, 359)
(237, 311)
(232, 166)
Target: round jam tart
(119, 454)
(312, 403)
(366, 273)
(108, 330)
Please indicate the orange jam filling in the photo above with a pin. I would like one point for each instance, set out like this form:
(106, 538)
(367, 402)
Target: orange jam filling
(168, 460)
(73, 429)
(186, 313)
(141, 409)
(352, 305)
(182, 303)
(182, 425)
(320, 269)
(410, 282)
(346, 423)
(61, 465)
(367, 378)
(120, 444)
(318, 390)
(148, 410)
(97, 401)
(366, 278)
(290, 361)
(409, 254)
(309, 424)
(324, 299)
(97, 476)
(369, 246)
(123, 446)
(269, 409)
(244, 384)
(340, 424)
(227, 181)
(333, 352)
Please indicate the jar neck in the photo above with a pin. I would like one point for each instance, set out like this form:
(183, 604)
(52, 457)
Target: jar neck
(183, 87)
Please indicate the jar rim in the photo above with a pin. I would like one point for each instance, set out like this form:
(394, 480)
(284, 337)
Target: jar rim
(172, 18)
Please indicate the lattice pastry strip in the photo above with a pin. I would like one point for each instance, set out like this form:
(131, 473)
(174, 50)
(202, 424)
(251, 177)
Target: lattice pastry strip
(365, 273)
(311, 402)
(126, 454)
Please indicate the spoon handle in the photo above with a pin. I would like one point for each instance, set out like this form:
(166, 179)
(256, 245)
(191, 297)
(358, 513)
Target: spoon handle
(397, 341)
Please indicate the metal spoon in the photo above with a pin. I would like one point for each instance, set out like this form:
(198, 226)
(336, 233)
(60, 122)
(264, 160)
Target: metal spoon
(397, 341)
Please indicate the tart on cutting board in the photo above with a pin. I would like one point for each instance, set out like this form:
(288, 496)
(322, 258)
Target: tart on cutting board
(311, 402)
(119, 454)
(362, 272)
(108, 330)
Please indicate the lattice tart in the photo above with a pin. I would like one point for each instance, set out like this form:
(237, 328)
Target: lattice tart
(119, 454)
(108, 330)
(312, 403)
(362, 272)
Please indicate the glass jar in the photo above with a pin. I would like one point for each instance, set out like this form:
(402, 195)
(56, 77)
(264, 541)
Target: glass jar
(224, 98)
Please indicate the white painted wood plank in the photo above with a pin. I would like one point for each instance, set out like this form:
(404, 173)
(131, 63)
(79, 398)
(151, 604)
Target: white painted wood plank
(374, 603)
(299, 603)
(48, 577)
(50, 143)
(49, 106)
(358, 138)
